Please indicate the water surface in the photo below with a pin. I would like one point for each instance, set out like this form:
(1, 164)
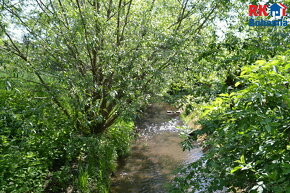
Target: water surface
(155, 154)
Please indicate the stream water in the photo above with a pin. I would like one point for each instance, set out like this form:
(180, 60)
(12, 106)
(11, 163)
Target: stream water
(155, 155)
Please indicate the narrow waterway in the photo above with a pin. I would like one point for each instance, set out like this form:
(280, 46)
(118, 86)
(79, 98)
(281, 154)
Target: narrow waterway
(155, 155)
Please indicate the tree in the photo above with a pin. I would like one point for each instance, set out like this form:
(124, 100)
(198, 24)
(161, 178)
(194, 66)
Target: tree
(96, 59)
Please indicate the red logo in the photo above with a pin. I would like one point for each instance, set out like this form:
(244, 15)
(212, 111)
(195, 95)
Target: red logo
(258, 10)
(276, 9)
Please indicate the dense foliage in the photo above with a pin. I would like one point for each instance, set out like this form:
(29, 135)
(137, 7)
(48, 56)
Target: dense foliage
(247, 134)
(74, 73)
(41, 153)
(98, 59)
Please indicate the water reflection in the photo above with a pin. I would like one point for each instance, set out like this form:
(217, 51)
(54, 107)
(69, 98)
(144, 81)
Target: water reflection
(155, 154)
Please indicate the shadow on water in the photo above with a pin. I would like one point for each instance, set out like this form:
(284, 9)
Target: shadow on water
(155, 154)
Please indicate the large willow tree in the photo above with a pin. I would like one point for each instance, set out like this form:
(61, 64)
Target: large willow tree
(97, 58)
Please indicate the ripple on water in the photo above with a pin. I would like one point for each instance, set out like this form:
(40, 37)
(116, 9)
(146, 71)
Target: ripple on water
(154, 155)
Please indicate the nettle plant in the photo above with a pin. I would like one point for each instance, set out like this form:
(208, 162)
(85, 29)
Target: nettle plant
(248, 134)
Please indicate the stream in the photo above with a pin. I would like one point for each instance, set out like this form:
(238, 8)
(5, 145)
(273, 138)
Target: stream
(155, 154)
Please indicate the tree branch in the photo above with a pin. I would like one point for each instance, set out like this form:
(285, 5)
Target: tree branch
(126, 20)
(85, 29)
(118, 22)
(19, 53)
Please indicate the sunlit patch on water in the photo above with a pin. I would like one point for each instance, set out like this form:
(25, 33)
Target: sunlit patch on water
(171, 126)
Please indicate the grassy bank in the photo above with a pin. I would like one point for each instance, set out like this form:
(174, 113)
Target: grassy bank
(41, 152)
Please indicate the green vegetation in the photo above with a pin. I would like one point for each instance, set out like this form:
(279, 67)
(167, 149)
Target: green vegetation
(40, 152)
(74, 74)
(248, 133)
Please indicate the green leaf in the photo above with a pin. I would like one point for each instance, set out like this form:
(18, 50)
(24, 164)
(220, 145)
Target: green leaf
(236, 169)
(237, 84)
(243, 159)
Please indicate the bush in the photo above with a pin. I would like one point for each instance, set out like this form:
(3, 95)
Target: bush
(248, 134)
(41, 152)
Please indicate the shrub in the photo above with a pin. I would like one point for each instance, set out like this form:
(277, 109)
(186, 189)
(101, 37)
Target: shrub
(248, 134)
(41, 152)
